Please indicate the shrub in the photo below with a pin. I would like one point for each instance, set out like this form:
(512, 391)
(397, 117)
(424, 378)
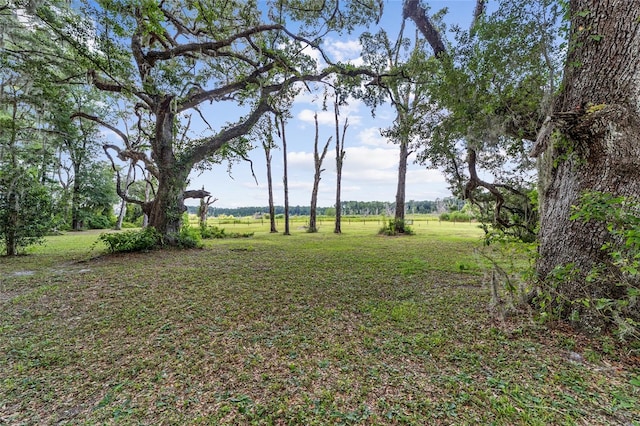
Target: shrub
(189, 237)
(94, 221)
(131, 241)
(394, 227)
(214, 232)
(456, 216)
(621, 271)
(240, 235)
(210, 231)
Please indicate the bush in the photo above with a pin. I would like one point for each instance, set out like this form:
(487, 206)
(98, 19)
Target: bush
(240, 235)
(131, 241)
(620, 272)
(189, 237)
(208, 232)
(456, 216)
(394, 227)
(94, 221)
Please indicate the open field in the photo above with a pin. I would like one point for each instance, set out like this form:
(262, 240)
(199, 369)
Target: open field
(308, 329)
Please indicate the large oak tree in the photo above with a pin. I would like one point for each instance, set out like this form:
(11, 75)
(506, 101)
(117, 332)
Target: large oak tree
(178, 63)
(591, 142)
(587, 143)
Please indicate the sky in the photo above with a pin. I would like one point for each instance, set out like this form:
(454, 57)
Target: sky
(371, 162)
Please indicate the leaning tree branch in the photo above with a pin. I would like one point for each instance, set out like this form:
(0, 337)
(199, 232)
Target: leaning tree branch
(214, 143)
(418, 14)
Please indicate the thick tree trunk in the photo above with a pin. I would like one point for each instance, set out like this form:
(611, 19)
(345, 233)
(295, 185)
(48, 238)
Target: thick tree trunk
(402, 185)
(592, 144)
(166, 209)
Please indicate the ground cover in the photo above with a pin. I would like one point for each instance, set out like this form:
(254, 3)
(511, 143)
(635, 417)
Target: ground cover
(306, 329)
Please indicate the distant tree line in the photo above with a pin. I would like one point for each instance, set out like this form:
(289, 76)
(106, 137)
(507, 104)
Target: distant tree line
(360, 208)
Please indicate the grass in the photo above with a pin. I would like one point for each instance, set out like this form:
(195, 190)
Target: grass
(309, 329)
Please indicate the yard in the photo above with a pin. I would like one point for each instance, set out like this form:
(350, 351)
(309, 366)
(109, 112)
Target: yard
(306, 329)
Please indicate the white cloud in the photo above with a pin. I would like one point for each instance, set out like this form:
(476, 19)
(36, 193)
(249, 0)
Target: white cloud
(362, 157)
(371, 137)
(300, 159)
(327, 117)
(343, 51)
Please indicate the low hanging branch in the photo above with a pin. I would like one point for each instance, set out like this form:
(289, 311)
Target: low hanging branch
(414, 11)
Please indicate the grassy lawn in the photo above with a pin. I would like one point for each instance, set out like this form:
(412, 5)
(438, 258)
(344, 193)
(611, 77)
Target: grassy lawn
(308, 329)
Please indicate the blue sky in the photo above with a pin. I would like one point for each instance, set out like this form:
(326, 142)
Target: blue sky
(370, 166)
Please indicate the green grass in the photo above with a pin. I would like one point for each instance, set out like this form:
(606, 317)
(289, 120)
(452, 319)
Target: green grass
(309, 329)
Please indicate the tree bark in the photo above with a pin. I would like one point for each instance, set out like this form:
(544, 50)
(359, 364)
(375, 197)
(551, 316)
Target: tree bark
(340, 153)
(123, 203)
(285, 180)
(402, 186)
(591, 144)
(76, 222)
(166, 209)
(267, 145)
(317, 163)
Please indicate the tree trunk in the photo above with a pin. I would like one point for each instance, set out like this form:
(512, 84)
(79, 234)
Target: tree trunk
(166, 209)
(285, 180)
(317, 163)
(147, 196)
(402, 185)
(11, 231)
(313, 225)
(592, 145)
(338, 223)
(203, 211)
(76, 222)
(340, 153)
(123, 203)
(272, 209)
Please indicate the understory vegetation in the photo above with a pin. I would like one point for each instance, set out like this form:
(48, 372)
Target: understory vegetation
(304, 329)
